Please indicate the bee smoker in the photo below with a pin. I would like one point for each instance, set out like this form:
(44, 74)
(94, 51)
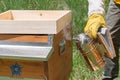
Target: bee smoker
(93, 51)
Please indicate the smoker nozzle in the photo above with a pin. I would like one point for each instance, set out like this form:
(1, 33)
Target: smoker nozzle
(75, 39)
(82, 38)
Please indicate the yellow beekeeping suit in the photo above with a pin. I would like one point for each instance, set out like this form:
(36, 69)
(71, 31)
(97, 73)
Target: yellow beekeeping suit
(117, 1)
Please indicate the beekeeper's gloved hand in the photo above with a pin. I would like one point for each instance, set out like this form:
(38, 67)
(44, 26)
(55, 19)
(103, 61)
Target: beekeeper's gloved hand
(95, 21)
(117, 1)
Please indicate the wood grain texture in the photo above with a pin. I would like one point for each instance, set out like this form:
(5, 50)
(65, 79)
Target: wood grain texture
(24, 38)
(6, 16)
(34, 21)
(32, 69)
(58, 67)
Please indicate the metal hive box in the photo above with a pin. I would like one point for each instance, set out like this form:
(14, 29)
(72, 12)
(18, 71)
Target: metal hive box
(35, 44)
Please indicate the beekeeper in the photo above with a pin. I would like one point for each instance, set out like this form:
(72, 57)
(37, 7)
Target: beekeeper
(96, 20)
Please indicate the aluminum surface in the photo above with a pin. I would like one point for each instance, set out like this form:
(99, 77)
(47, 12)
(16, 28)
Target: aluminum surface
(25, 50)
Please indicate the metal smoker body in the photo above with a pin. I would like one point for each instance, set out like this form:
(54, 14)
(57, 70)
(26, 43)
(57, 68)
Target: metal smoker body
(94, 51)
(91, 51)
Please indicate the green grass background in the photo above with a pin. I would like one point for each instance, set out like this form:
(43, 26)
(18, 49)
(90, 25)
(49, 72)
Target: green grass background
(79, 13)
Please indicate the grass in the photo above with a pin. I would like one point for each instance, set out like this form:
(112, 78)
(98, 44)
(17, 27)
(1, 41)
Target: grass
(79, 11)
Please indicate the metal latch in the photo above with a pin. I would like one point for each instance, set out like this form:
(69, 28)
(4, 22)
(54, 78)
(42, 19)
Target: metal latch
(62, 45)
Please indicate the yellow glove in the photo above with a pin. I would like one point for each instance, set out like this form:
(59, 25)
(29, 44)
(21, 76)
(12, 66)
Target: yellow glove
(117, 1)
(95, 21)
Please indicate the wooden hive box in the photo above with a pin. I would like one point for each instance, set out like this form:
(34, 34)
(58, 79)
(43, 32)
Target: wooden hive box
(35, 45)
